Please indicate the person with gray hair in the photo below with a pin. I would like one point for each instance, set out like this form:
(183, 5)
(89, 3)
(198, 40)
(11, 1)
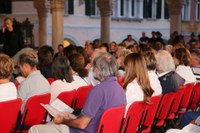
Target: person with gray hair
(108, 93)
(35, 83)
(169, 79)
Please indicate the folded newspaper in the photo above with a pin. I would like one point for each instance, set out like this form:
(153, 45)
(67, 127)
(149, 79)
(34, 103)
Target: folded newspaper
(57, 107)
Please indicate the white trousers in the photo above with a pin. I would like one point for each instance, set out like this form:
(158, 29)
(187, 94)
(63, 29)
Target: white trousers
(49, 128)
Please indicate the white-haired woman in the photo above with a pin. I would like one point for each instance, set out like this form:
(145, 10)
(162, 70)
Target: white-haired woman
(169, 79)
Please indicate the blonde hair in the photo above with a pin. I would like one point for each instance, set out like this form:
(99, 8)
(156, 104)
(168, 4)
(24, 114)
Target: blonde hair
(6, 66)
(135, 68)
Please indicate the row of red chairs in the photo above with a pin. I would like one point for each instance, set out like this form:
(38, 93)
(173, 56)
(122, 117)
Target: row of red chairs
(141, 117)
(11, 115)
(34, 113)
(75, 98)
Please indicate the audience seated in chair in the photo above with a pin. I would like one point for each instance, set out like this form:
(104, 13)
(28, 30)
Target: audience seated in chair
(8, 90)
(61, 71)
(195, 63)
(35, 83)
(105, 95)
(45, 57)
(182, 62)
(170, 80)
(136, 82)
(79, 72)
(151, 66)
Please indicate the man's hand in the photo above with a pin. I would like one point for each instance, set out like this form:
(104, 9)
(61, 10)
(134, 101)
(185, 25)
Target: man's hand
(58, 119)
(3, 27)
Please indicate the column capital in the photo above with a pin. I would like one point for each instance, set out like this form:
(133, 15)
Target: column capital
(57, 5)
(105, 7)
(41, 8)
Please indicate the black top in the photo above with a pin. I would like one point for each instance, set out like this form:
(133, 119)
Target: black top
(12, 41)
(170, 82)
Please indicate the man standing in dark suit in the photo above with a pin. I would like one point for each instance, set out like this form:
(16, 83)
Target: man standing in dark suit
(11, 38)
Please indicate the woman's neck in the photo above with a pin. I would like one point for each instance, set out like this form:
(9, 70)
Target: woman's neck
(3, 81)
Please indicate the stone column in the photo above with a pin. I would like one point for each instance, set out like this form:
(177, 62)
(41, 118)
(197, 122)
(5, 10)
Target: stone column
(42, 16)
(105, 7)
(57, 7)
(175, 7)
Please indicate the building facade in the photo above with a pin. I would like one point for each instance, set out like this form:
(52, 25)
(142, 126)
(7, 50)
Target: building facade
(81, 19)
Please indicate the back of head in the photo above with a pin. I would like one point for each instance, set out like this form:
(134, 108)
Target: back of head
(195, 57)
(77, 63)
(165, 62)
(29, 59)
(106, 65)
(45, 56)
(61, 69)
(183, 56)
(6, 66)
(135, 68)
(150, 60)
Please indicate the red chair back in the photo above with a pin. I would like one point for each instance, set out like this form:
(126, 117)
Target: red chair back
(164, 109)
(50, 80)
(133, 117)
(34, 113)
(9, 111)
(81, 95)
(187, 94)
(150, 113)
(111, 120)
(120, 80)
(177, 99)
(195, 97)
(68, 97)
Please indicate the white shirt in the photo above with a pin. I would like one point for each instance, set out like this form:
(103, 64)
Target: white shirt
(91, 78)
(186, 73)
(133, 93)
(59, 86)
(34, 84)
(155, 83)
(78, 81)
(8, 91)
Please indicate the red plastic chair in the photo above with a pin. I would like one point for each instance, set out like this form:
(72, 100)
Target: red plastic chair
(176, 104)
(9, 111)
(150, 112)
(81, 96)
(34, 113)
(163, 110)
(195, 99)
(111, 120)
(50, 80)
(186, 98)
(68, 97)
(120, 80)
(133, 117)
(16, 84)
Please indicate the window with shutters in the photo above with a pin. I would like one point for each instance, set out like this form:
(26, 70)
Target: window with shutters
(186, 10)
(68, 7)
(127, 9)
(91, 8)
(152, 9)
(198, 10)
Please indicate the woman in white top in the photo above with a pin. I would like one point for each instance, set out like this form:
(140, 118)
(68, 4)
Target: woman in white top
(79, 71)
(182, 61)
(151, 66)
(61, 71)
(8, 90)
(136, 80)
